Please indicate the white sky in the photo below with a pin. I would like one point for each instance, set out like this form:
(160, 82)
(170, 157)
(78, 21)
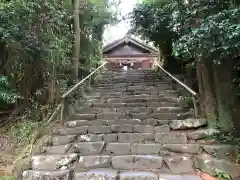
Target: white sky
(113, 33)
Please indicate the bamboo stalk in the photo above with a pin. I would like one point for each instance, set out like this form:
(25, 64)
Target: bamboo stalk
(195, 106)
(55, 113)
(62, 111)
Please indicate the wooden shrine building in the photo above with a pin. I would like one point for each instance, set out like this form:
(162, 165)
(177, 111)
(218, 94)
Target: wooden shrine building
(130, 53)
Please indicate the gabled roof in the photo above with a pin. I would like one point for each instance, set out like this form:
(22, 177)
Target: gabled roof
(126, 40)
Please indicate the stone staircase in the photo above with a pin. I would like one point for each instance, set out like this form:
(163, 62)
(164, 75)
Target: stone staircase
(131, 128)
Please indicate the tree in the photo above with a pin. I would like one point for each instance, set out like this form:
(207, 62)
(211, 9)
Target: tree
(37, 52)
(203, 35)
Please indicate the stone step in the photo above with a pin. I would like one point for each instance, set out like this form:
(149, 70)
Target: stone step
(129, 79)
(59, 140)
(56, 165)
(136, 115)
(148, 121)
(49, 175)
(130, 110)
(103, 174)
(210, 165)
(98, 174)
(135, 98)
(131, 143)
(119, 128)
(114, 81)
(49, 165)
(133, 87)
(139, 104)
(118, 85)
(128, 95)
(53, 162)
(80, 127)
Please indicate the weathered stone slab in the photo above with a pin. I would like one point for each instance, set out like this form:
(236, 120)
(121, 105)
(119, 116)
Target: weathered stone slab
(98, 122)
(188, 123)
(134, 137)
(101, 105)
(118, 148)
(52, 162)
(114, 100)
(170, 99)
(130, 121)
(84, 117)
(223, 151)
(73, 131)
(118, 105)
(163, 122)
(135, 175)
(71, 124)
(139, 104)
(148, 137)
(139, 110)
(108, 110)
(99, 129)
(171, 138)
(88, 110)
(88, 148)
(143, 129)
(109, 116)
(133, 162)
(93, 162)
(160, 104)
(49, 175)
(145, 149)
(151, 122)
(62, 140)
(168, 109)
(90, 138)
(209, 165)
(122, 128)
(110, 138)
(162, 129)
(202, 133)
(170, 177)
(62, 149)
(110, 122)
(178, 177)
(166, 116)
(180, 164)
(97, 174)
(183, 148)
(141, 116)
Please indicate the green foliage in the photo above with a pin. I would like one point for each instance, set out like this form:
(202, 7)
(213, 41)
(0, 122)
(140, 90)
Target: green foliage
(22, 132)
(154, 22)
(216, 39)
(7, 178)
(36, 45)
(95, 17)
(222, 175)
(8, 95)
(199, 30)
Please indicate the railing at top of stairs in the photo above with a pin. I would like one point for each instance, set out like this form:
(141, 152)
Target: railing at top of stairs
(60, 107)
(192, 92)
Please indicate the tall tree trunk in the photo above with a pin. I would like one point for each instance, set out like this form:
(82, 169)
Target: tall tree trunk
(77, 34)
(206, 91)
(225, 95)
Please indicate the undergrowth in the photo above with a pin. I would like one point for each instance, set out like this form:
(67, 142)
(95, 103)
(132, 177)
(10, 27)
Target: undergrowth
(22, 131)
(228, 138)
(7, 178)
